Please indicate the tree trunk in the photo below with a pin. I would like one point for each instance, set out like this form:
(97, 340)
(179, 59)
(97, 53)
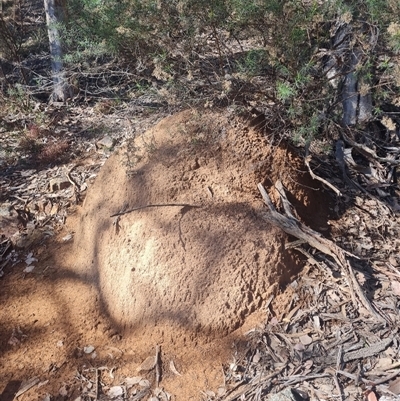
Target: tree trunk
(54, 17)
(347, 58)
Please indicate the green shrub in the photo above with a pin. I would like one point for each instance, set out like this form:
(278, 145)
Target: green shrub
(279, 41)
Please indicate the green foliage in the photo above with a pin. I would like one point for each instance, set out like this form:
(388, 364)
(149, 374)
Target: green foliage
(272, 47)
(307, 132)
(18, 99)
(254, 62)
(285, 91)
(376, 10)
(394, 36)
(285, 37)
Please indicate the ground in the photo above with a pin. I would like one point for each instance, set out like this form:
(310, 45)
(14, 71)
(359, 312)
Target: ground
(169, 253)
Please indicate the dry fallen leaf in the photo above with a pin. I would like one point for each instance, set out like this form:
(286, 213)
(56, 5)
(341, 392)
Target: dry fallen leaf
(67, 237)
(396, 287)
(131, 381)
(383, 363)
(299, 347)
(317, 322)
(29, 269)
(30, 259)
(221, 391)
(161, 394)
(257, 356)
(394, 386)
(306, 340)
(370, 396)
(144, 383)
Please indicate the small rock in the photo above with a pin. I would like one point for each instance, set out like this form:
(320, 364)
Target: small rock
(88, 350)
(67, 237)
(6, 209)
(63, 391)
(106, 142)
(115, 391)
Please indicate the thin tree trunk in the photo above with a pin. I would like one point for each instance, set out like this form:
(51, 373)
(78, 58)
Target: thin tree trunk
(356, 100)
(54, 17)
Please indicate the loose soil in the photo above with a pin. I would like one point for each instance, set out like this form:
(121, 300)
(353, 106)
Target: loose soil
(190, 270)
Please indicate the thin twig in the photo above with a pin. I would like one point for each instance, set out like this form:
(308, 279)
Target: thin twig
(158, 365)
(156, 205)
(298, 379)
(339, 389)
(26, 386)
(316, 177)
(97, 384)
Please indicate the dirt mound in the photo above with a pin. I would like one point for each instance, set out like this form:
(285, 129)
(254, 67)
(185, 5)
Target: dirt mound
(191, 248)
(190, 263)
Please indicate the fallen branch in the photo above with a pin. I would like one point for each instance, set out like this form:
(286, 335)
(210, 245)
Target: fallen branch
(293, 226)
(352, 183)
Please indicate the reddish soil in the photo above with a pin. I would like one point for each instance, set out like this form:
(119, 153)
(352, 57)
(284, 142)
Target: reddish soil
(191, 279)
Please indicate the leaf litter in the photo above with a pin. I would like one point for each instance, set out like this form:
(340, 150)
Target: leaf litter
(322, 344)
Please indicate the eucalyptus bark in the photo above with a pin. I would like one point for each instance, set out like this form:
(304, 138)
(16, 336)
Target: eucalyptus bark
(54, 19)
